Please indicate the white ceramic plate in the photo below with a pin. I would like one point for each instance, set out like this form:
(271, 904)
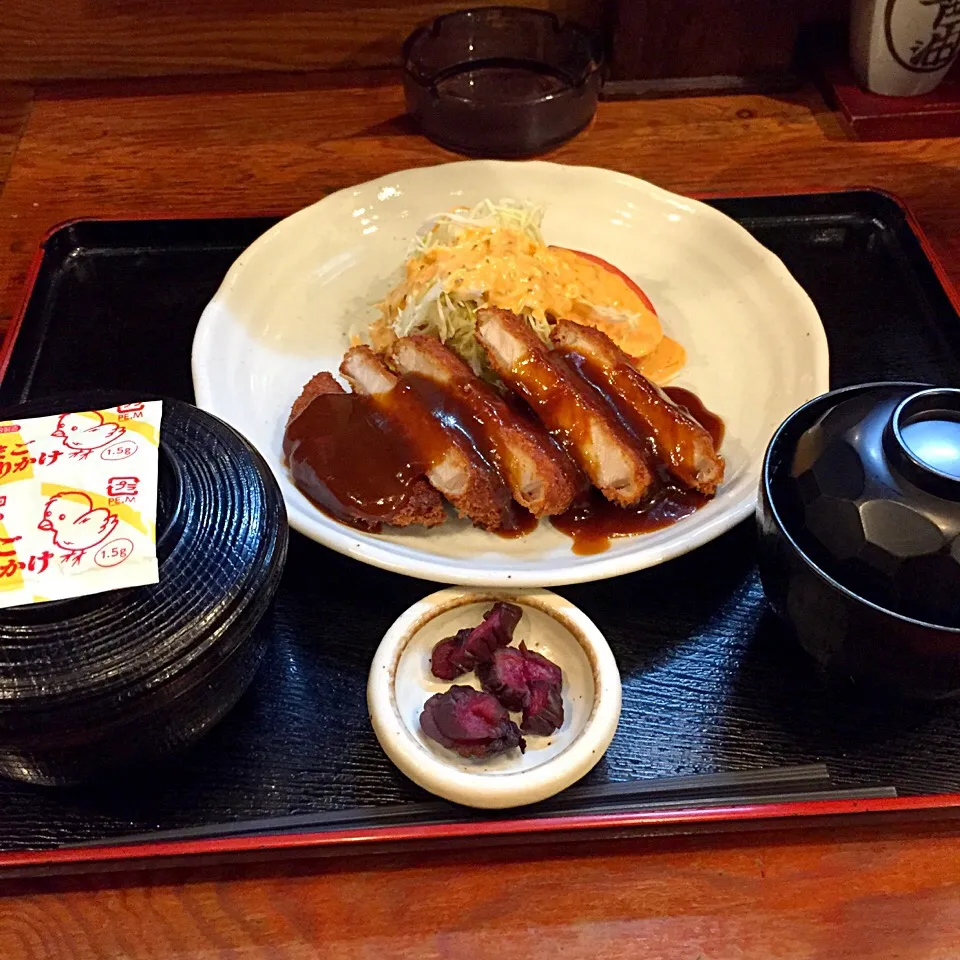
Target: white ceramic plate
(401, 681)
(756, 347)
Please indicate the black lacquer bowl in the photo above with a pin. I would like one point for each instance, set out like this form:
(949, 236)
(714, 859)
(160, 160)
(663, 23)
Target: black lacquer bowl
(501, 81)
(92, 684)
(859, 520)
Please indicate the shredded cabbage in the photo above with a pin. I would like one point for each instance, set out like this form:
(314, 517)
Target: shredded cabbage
(453, 319)
(442, 228)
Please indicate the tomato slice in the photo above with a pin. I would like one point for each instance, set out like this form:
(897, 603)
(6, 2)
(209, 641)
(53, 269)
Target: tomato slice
(609, 266)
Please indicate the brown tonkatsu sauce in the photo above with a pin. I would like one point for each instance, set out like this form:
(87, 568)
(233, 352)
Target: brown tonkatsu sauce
(606, 388)
(425, 436)
(592, 521)
(472, 417)
(350, 460)
(694, 406)
(554, 404)
(471, 421)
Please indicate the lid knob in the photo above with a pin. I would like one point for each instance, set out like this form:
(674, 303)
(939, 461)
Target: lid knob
(924, 440)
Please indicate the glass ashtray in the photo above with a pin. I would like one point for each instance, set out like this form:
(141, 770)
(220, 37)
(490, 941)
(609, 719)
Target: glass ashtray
(501, 81)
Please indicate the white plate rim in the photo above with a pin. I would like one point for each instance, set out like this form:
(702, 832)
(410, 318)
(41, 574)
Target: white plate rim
(342, 539)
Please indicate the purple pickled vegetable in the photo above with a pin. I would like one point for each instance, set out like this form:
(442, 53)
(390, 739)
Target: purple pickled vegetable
(505, 676)
(538, 667)
(543, 711)
(459, 654)
(512, 673)
(470, 722)
(448, 660)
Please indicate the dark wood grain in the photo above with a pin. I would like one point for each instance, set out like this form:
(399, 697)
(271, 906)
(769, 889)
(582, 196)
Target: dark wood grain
(119, 38)
(248, 152)
(14, 107)
(698, 38)
(15, 103)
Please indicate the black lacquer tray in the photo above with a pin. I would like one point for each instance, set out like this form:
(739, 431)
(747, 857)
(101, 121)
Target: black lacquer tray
(711, 682)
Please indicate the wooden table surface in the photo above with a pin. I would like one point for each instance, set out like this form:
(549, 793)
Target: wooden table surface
(249, 147)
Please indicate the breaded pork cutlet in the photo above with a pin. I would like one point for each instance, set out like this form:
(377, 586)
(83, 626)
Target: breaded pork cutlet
(541, 477)
(684, 447)
(419, 505)
(321, 383)
(602, 447)
(454, 469)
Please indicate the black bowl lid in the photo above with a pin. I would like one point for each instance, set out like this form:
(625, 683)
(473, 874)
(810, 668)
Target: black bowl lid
(867, 503)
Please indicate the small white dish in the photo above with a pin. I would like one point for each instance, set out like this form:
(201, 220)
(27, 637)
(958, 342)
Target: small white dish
(401, 681)
(756, 349)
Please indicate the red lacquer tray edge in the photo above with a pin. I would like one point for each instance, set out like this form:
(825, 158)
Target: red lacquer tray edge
(770, 815)
(570, 827)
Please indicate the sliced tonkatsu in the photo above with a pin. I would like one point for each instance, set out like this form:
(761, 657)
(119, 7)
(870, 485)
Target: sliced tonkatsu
(329, 434)
(541, 477)
(452, 466)
(681, 443)
(611, 458)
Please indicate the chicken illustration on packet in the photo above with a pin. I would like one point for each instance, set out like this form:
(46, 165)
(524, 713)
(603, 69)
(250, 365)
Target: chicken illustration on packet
(78, 503)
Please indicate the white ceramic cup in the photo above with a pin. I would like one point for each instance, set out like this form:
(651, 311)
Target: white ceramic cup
(902, 48)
